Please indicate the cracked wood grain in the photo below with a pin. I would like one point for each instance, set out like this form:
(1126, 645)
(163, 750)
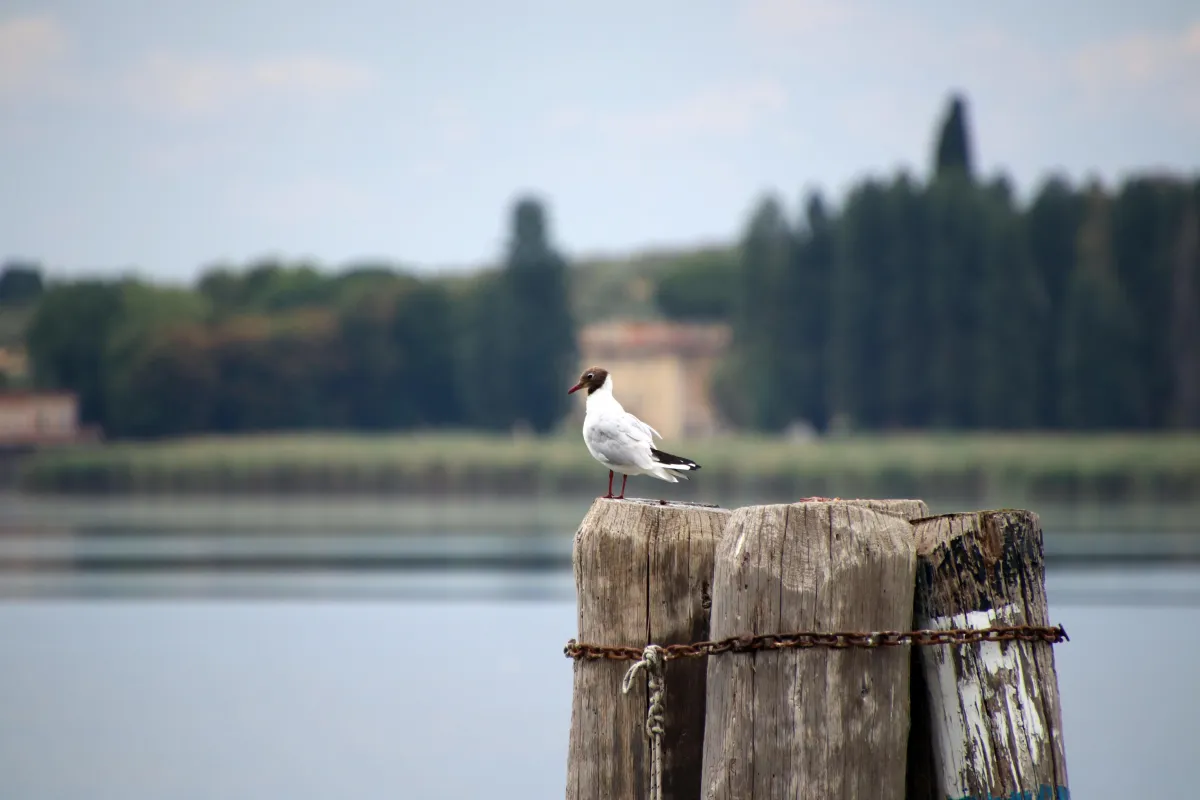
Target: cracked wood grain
(811, 723)
(643, 574)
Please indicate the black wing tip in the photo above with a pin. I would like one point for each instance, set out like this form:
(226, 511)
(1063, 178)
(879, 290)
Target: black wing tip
(669, 460)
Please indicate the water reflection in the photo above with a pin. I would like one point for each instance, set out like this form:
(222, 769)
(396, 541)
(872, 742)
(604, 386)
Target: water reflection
(385, 659)
(215, 688)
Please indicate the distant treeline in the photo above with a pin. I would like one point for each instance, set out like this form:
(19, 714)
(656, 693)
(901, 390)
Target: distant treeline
(293, 348)
(941, 303)
(947, 305)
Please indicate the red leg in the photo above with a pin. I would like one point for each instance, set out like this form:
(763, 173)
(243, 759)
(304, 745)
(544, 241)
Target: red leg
(623, 479)
(610, 477)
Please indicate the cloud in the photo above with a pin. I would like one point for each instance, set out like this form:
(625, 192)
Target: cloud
(31, 51)
(453, 124)
(796, 18)
(1157, 67)
(172, 84)
(726, 110)
(1139, 59)
(303, 200)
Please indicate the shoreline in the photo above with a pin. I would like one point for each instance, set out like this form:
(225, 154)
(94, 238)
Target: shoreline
(452, 466)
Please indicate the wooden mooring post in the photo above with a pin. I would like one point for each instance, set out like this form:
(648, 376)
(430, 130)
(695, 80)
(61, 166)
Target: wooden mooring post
(986, 717)
(822, 649)
(643, 574)
(813, 722)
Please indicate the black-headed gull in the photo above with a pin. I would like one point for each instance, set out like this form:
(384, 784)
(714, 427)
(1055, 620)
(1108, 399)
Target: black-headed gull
(621, 441)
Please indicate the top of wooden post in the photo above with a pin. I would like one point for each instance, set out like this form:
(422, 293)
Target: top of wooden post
(978, 560)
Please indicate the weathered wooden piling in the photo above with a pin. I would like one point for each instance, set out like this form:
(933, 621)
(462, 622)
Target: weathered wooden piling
(815, 722)
(643, 573)
(986, 716)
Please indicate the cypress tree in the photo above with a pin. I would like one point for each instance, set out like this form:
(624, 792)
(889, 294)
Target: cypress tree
(1012, 315)
(485, 381)
(958, 230)
(540, 348)
(752, 387)
(1100, 355)
(953, 151)
(1051, 228)
(810, 293)
(907, 318)
(858, 343)
(1185, 317)
(1145, 217)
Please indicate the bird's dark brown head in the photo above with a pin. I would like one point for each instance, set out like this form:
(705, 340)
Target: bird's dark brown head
(591, 379)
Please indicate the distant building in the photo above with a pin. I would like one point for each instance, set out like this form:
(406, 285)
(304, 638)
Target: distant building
(661, 370)
(14, 364)
(35, 418)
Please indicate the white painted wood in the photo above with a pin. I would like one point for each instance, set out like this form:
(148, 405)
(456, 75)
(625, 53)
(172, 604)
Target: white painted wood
(993, 716)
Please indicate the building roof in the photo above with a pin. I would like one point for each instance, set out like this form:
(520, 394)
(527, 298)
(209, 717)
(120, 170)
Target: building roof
(30, 395)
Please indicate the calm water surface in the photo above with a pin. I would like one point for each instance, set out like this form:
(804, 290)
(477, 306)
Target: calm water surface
(120, 681)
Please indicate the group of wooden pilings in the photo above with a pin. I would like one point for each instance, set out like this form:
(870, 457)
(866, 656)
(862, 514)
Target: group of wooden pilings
(918, 721)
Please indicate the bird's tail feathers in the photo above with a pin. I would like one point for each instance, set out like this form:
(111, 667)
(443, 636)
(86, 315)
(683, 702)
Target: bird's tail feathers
(677, 464)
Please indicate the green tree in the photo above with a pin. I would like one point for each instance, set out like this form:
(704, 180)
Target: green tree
(1146, 214)
(752, 387)
(423, 333)
(66, 342)
(171, 384)
(274, 370)
(222, 287)
(539, 332)
(1051, 227)
(360, 280)
(1100, 348)
(900, 300)
(367, 396)
(138, 402)
(958, 243)
(485, 380)
(20, 284)
(1185, 317)
(858, 343)
(267, 286)
(699, 286)
(1013, 314)
(807, 326)
(953, 152)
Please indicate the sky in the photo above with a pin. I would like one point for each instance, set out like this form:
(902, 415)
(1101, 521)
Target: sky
(162, 136)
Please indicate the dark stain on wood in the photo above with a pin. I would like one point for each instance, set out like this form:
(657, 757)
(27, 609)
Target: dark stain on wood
(1000, 729)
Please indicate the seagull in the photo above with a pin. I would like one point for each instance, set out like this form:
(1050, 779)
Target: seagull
(621, 441)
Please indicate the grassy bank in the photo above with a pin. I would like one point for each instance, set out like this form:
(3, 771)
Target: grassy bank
(1017, 466)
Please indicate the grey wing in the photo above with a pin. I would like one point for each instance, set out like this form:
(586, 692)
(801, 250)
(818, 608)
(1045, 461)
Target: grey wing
(643, 427)
(625, 441)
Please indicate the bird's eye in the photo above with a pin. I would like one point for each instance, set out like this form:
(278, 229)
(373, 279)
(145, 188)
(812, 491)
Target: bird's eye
(590, 375)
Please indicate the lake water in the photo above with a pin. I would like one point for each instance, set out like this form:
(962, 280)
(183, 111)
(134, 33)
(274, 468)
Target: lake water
(142, 666)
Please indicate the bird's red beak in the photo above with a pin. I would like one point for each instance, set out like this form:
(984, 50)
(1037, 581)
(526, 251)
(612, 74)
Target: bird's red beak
(575, 388)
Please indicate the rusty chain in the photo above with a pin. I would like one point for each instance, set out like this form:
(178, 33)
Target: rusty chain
(837, 641)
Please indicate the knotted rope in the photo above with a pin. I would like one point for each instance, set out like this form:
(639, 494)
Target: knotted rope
(653, 660)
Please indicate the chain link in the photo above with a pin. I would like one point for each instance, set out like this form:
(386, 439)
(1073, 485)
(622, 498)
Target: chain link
(837, 641)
